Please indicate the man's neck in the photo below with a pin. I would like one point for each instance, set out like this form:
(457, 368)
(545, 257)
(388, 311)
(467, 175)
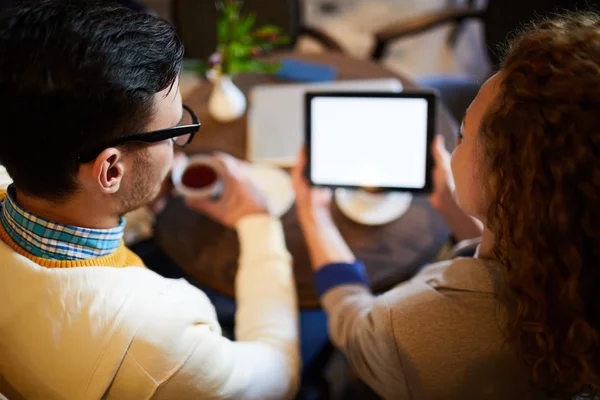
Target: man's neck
(83, 213)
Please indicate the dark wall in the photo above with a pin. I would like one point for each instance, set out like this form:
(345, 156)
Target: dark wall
(505, 16)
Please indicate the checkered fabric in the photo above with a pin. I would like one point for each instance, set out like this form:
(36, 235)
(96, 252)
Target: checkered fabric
(49, 240)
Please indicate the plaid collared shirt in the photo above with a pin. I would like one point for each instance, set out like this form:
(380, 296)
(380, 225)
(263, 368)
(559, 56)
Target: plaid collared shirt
(54, 241)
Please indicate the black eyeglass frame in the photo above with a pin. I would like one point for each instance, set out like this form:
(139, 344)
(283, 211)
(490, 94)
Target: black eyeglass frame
(149, 137)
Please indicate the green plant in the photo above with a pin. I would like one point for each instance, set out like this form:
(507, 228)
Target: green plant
(240, 44)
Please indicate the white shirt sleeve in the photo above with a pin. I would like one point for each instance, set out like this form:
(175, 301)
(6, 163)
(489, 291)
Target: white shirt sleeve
(181, 353)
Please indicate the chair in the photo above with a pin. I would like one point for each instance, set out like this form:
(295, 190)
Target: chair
(500, 19)
(196, 23)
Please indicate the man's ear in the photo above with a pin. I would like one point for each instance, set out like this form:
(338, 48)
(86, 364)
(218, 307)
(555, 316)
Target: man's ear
(108, 170)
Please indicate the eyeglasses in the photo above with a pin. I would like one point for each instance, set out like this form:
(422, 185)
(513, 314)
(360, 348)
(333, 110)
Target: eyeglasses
(182, 135)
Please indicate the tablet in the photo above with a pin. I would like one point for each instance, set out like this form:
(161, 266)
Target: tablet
(374, 141)
(276, 123)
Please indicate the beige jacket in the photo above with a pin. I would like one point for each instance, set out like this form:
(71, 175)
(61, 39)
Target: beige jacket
(437, 336)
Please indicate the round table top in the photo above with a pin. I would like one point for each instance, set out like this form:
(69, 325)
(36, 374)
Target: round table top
(209, 252)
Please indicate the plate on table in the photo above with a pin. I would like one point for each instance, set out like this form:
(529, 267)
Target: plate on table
(371, 208)
(276, 184)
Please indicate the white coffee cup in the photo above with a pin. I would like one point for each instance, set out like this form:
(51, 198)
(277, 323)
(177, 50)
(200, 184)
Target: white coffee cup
(198, 178)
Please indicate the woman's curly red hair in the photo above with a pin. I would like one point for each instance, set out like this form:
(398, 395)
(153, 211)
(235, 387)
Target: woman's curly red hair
(541, 146)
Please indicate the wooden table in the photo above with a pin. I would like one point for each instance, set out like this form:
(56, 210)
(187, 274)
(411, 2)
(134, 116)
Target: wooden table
(209, 252)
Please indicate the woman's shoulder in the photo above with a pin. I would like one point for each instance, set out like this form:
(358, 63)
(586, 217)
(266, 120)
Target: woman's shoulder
(459, 295)
(445, 282)
(467, 274)
(449, 323)
(456, 291)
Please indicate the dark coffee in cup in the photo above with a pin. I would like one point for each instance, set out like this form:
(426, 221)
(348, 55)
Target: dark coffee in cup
(199, 176)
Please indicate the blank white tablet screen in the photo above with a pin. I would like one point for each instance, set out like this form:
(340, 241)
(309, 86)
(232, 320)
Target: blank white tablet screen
(369, 142)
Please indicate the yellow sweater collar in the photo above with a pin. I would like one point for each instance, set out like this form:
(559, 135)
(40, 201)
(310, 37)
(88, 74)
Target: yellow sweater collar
(122, 257)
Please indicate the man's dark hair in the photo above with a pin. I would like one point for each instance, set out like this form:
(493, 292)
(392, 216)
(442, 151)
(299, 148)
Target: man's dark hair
(75, 75)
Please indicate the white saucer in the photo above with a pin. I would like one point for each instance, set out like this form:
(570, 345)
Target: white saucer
(277, 187)
(372, 209)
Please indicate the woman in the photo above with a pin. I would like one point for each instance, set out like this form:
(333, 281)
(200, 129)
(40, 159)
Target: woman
(522, 319)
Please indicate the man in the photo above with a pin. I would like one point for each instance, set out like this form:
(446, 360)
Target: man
(88, 101)
(134, 4)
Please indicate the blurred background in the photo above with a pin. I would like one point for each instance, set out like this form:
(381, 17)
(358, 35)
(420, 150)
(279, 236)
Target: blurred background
(353, 24)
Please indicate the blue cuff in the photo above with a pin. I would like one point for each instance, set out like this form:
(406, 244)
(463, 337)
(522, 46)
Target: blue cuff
(333, 275)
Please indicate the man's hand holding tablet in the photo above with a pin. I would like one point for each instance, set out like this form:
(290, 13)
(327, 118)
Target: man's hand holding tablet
(377, 141)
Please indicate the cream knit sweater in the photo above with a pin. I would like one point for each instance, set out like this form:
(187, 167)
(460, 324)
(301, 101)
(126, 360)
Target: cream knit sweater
(127, 333)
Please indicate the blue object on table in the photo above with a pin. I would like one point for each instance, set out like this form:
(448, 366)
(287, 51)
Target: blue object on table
(304, 71)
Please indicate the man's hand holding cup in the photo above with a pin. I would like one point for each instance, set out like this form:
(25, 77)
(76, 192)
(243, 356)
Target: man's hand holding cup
(221, 187)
